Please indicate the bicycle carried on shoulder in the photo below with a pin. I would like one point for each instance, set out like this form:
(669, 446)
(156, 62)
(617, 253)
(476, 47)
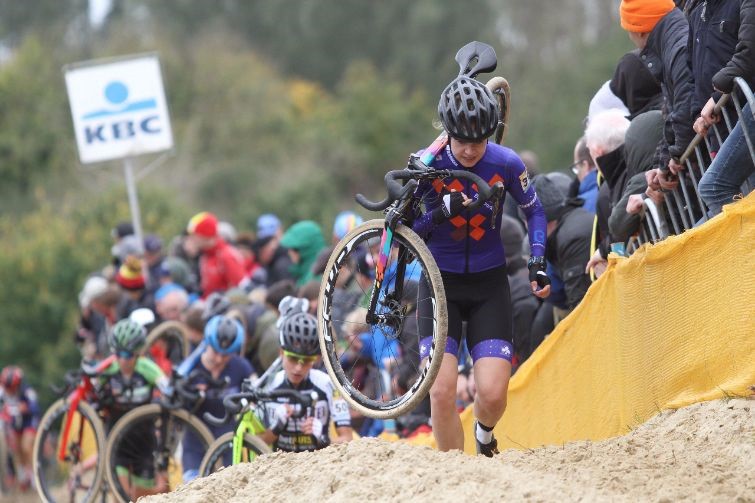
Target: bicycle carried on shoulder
(406, 276)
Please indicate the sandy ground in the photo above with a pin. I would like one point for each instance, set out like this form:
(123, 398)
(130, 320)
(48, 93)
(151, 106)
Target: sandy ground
(705, 452)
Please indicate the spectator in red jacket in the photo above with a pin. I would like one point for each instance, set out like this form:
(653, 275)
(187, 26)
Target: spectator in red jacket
(221, 266)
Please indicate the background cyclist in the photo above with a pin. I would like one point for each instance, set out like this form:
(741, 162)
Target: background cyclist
(130, 381)
(300, 350)
(470, 256)
(20, 413)
(220, 360)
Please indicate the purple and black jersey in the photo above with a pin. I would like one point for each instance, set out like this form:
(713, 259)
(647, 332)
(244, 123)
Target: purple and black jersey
(466, 243)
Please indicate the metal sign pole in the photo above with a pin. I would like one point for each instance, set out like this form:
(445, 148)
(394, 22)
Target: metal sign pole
(133, 202)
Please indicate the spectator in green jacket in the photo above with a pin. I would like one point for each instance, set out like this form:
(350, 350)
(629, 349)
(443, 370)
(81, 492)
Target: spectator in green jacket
(304, 240)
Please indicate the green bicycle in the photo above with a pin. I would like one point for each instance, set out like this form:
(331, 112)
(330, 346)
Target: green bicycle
(244, 444)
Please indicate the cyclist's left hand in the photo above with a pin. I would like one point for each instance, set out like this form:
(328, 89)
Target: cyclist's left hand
(539, 280)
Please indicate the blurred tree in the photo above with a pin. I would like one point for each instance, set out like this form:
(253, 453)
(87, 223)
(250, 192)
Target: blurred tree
(36, 138)
(50, 18)
(46, 257)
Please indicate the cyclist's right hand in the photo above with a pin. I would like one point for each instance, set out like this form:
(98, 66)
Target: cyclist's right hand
(452, 203)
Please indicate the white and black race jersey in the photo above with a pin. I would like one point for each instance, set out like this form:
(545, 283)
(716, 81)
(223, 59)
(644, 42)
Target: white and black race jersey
(329, 405)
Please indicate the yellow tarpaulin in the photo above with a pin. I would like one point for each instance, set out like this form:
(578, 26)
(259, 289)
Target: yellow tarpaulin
(672, 325)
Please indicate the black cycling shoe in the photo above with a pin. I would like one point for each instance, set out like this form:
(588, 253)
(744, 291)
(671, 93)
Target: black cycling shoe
(489, 450)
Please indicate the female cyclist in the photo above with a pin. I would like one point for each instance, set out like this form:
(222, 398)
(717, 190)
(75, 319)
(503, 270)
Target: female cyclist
(467, 247)
(219, 360)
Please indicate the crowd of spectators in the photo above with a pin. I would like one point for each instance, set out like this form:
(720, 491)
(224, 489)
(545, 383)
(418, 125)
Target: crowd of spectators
(637, 127)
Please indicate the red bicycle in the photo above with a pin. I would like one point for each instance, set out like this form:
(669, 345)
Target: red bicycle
(67, 460)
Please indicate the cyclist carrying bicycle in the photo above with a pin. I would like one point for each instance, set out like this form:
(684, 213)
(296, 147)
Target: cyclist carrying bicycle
(467, 247)
(300, 350)
(130, 381)
(20, 412)
(220, 360)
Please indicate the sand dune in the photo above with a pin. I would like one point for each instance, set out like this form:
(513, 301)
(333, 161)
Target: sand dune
(705, 452)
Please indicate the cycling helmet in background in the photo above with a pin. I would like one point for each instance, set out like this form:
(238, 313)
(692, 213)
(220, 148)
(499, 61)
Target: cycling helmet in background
(468, 110)
(345, 222)
(224, 334)
(298, 334)
(290, 305)
(127, 336)
(11, 378)
(215, 305)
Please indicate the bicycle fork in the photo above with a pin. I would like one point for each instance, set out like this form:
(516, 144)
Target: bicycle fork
(386, 243)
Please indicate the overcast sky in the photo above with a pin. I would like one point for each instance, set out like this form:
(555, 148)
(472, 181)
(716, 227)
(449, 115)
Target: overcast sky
(97, 10)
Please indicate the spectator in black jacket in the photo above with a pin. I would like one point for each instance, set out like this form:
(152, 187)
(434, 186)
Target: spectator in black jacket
(605, 136)
(661, 32)
(733, 164)
(567, 251)
(639, 148)
(713, 29)
(569, 232)
(635, 86)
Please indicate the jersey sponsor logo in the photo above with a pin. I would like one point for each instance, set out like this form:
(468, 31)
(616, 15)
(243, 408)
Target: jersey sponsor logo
(524, 180)
(471, 227)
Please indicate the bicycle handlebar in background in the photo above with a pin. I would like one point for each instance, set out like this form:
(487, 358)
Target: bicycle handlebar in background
(235, 402)
(419, 170)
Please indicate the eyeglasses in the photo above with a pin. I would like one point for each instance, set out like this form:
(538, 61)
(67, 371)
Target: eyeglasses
(297, 358)
(575, 166)
(125, 355)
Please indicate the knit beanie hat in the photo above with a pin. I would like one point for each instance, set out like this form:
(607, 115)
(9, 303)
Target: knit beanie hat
(203, 224)
(130, 276)
(551, 195)
(641, 16)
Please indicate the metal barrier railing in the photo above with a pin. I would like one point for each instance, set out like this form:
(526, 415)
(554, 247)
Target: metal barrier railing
(683, 207)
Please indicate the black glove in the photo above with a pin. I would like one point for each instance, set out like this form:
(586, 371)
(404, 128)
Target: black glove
(536, 265)
(451, 204)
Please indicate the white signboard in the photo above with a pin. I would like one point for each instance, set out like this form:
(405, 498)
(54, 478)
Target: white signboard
(118, 108)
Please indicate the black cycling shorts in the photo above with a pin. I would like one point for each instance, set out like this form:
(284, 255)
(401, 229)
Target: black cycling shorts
(135, 455)
(483, 300)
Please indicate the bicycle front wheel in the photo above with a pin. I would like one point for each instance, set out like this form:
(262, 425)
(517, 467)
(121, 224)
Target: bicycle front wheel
(408, 335)
(68, 465)
(149, 445)
(220, 453)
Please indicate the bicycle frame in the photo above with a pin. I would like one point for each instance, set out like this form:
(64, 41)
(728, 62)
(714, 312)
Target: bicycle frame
(84, 391)
(393, 216)
(249, 423)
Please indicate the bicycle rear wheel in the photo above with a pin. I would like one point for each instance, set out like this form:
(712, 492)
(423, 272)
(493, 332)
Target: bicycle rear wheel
(220, 453)
(150, 442)
(67, 479)
(393, 344)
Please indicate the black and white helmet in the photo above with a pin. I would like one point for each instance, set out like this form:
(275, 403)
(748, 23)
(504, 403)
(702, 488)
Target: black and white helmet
(298, 334)
(468, 110)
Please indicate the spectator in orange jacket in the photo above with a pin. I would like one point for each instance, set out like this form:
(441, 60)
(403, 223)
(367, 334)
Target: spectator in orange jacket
(221, 266)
